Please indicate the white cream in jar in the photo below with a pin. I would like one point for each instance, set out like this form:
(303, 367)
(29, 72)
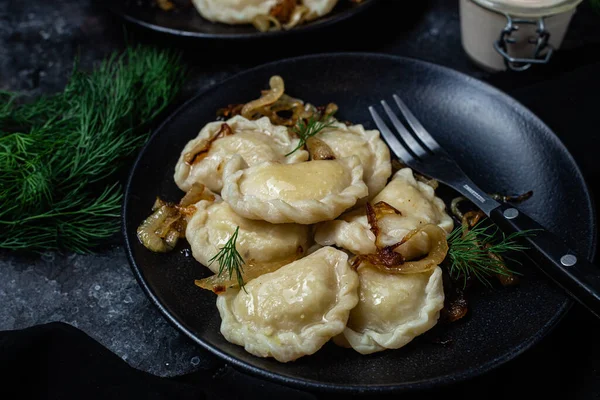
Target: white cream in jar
(490, 39)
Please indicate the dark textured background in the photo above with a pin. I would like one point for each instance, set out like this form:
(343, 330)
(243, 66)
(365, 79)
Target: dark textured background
(98, 294)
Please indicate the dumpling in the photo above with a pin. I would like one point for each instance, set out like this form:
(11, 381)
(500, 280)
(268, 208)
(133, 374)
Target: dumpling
(213, 224)
(367, 145)
(393, 309)
(304, 193)
(255, 141)
(417, 204)
(318, 8)
(233, 11)
(244, 11)
(293, 311)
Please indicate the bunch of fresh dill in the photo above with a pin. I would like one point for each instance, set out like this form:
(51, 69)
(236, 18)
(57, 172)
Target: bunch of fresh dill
(59, 154)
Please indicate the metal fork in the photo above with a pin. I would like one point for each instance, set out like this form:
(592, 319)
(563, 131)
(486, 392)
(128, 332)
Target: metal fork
(576, 275)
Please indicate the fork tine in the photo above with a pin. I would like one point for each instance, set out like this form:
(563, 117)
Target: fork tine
(410, 141)
(419, 129)
(391, 139)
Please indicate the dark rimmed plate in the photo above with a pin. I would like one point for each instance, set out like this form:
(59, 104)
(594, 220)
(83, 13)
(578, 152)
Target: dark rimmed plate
(187, 22)
(500, 144)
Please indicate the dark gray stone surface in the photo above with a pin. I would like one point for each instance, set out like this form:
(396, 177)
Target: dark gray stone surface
(98, 293)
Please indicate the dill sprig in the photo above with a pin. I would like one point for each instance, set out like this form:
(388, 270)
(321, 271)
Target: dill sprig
(59, 154)
(307, 129)
(471, 252)
(230, 260)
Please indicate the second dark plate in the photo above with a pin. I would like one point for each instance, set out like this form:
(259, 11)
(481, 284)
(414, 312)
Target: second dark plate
(187, 22)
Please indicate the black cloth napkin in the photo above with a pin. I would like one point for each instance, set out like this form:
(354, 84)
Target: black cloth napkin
(58, 361)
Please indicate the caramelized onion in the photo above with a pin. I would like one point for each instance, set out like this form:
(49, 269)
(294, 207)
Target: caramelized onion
(506, 278)
(385, 258)
(268, 97)
(284, 112)
(454, 206)
(388, 260)
(430, 182)
(297, 17)
(171, 238)
(470, 219)
(165, 5)
(438, 248)
(513, 199)
(285, 104)
(161, 231)
(279, 107)
(196, 193)
(330, 109)
(220, 283)
(263, 23)
(319, 150)
(283, 10)
(456, 305)
(169, 224)
(147, 231)
(230, 111)
(499, 197)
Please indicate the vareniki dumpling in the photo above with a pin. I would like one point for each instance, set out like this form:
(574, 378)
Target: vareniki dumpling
(417, 204)
(293, 311)
(318, 8)
(367, 145)
(244, 11)
(255, 141)
(304, 193)
(213, 224)
(393, 309)
(233, 11)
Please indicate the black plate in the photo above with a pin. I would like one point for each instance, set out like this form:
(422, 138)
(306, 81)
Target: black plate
(187, 22)
(502, 145)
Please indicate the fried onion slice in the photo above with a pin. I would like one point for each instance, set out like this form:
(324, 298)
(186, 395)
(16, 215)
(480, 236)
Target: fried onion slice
(387, 260)
(161, 231)
(268, 97)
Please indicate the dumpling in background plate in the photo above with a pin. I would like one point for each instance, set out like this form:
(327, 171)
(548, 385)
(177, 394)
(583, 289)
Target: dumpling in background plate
(304, 193)
(245, 11)
(318, 8)
(374, 154)
(213, 224)
(393, 309)
(233, 11)
(293, 311)
(416, 203)
(203, 158)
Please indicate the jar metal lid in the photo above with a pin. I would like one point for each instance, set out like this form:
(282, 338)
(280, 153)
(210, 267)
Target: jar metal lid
(529, 8)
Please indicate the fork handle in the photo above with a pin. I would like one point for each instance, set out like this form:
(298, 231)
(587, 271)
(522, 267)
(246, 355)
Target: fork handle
(574, 273)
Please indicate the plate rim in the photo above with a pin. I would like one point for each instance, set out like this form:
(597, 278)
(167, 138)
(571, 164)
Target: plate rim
(305, 28)
(309, 384)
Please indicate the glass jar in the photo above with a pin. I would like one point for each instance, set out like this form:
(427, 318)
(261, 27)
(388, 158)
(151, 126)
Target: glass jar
(513, 34)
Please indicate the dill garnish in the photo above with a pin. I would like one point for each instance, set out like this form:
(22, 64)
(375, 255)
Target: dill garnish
(471, 252)
(59, 154)
(307, 129)
(230, 260)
